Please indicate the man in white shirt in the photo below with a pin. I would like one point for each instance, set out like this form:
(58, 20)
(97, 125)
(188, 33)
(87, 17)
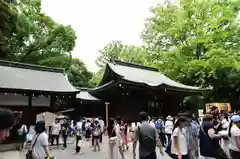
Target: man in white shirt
(55, 131)
(169, 128)
(78, 135)
(101, 122)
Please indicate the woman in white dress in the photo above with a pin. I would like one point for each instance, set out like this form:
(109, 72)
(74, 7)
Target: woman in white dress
(113, 143)
(115, 140)
(179, 140)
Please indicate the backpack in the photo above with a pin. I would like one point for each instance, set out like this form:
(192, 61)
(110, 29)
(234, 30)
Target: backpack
(96, 131)
(149, 143)
(158, 124)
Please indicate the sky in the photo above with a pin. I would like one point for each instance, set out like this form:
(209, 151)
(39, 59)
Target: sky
(99, 22)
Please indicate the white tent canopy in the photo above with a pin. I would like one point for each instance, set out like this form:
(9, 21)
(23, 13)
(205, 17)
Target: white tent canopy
(48, 117)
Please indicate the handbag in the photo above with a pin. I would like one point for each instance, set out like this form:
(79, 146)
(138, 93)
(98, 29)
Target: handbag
(80, 143)
(112, 139)
(96, 133)
(29, 152)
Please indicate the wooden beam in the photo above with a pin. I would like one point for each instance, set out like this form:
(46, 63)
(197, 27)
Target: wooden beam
(106, 105)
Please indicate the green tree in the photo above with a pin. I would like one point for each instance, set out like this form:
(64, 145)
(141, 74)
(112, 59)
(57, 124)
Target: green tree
(118, 51)
(8, 18)
(78, 74)
(122, 52)
(39, 40)
(196, 43)
(96, 78)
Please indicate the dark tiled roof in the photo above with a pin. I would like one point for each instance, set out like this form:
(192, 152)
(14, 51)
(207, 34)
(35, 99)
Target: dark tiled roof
(142, 75)
(19, 76)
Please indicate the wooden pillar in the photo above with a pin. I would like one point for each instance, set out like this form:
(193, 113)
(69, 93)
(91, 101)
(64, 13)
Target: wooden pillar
(106, 105)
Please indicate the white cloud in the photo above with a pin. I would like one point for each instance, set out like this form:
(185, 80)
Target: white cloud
(98, 22)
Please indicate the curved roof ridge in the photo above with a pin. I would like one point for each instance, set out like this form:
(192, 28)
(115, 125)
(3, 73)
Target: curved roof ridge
(31, 66)
(148, 77)
(128, 64)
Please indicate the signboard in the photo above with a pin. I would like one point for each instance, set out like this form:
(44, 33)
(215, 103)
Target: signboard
(200, 112)
(221, 106)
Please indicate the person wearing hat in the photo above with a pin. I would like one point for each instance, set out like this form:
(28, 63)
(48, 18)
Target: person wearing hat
(169, 128)
(234, 137)
(179, 147)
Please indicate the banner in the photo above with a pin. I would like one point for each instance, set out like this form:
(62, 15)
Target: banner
(221, 106)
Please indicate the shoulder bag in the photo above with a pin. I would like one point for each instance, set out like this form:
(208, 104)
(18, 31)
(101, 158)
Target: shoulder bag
(29, 153)
(112, 139)
(150, 143)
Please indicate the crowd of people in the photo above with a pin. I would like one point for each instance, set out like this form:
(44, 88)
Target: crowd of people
(219, 135)
(84, 127)
(216, 137)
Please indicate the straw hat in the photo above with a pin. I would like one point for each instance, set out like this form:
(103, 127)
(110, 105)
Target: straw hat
(169, 117)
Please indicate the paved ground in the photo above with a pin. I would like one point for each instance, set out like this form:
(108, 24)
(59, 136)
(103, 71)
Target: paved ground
(69, 153)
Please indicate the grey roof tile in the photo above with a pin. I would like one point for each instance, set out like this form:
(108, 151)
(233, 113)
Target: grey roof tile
(146, 75)
(19, 76)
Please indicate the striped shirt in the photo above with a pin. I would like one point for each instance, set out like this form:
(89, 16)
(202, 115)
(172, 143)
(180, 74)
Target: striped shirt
(191, 134)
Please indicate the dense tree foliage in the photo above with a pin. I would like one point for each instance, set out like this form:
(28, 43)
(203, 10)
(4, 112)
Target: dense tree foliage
(8, 18)
(37, 39)
(195, 42)
(122, 52)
